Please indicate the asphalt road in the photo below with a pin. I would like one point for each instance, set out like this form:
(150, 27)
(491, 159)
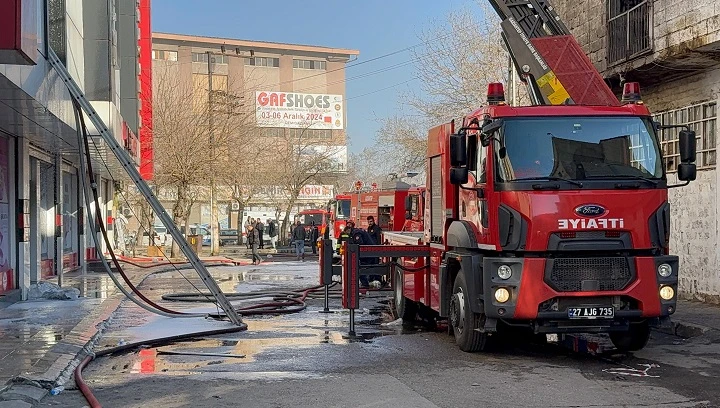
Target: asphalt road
(306, 360)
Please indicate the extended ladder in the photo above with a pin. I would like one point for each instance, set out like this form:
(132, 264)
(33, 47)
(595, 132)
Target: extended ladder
(129, 166)
(548, 57)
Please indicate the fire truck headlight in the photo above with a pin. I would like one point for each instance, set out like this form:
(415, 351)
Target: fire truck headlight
(664, 270)
(504, 272)
(502, 295)
(667, 293)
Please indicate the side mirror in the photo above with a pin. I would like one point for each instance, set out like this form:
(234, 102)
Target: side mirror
(408, 203)
(458, 175)
(458, 150)
(488, 130)
(687, 172)
(688, 146)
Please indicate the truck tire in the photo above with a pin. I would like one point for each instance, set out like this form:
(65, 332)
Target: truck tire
(634, 339)
(405, 308)
(464, 321)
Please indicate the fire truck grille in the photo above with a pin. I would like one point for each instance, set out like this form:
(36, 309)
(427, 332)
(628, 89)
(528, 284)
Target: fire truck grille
(589, 274)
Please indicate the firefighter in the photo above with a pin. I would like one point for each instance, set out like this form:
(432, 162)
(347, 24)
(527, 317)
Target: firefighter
(375, 233)
(345, 234)
(361, 237)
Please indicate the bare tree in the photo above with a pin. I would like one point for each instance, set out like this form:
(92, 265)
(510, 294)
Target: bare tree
(461, 55)
(302, 160)
(193, 133)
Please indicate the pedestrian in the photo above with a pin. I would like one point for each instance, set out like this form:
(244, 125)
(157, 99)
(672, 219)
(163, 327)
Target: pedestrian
(253, 238)
(298, 236)
(248, 222)
(120, 229)
(314, 235)
(272, 232)
(261, 228)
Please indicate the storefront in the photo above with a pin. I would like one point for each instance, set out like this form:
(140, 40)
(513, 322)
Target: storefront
(7, 273)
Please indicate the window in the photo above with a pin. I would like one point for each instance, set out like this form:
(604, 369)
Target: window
(215, 59)
(271, 132)
(701, 118)
(57, 28)
(263, 62)
(309, 64)
(164, 55)
(342, 209)
(628, 29)
(579, 148)
(309, 133)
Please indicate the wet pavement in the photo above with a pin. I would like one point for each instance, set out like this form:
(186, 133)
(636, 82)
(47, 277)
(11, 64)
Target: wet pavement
(306, 359)
(36, 334)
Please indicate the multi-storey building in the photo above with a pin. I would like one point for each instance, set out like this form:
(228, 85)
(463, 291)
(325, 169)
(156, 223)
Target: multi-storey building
(670, 47)
(289, 91)
(42, 230)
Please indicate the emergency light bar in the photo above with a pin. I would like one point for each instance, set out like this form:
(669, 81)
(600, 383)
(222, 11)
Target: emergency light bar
(631, 93)
(495, 94)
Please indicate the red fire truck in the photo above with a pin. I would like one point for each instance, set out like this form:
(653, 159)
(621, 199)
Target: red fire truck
(398, 208)
(553, 217)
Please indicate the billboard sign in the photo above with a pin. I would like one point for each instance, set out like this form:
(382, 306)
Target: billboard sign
(299, 110)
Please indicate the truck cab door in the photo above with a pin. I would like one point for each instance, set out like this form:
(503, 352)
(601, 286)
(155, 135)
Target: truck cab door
(474, 197)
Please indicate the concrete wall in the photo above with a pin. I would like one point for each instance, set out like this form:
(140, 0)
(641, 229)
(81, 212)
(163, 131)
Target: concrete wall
(129, 69)
(694, 209)
(677, 26)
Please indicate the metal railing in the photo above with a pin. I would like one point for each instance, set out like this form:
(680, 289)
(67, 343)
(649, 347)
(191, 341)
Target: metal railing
(702, 118)
(629, 29)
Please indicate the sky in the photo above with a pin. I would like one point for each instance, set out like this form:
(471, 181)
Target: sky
(374, 27)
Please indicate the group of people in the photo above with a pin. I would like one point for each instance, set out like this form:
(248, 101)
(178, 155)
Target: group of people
(299, 235)
(371, 236)
(255, 229)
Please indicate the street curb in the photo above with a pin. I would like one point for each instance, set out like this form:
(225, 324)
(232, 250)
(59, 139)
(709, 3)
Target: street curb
(33, 387)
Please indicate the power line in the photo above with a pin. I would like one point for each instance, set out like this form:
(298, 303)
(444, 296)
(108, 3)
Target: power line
(382, 89)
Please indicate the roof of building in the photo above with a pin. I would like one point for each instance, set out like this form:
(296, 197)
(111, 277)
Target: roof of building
(230, 42)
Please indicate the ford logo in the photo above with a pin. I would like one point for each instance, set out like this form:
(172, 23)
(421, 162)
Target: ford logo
(590, 210)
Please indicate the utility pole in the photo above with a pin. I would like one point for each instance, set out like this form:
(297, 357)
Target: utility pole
(214, 224)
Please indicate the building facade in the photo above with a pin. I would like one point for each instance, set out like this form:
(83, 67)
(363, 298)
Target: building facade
(288, 92)
(43, 233)
(670, 47)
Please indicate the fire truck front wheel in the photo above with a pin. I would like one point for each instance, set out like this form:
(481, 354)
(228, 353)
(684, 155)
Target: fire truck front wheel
(464, 321)
(634, 339)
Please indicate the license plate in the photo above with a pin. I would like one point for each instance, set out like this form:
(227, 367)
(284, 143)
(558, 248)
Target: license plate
(591, 312)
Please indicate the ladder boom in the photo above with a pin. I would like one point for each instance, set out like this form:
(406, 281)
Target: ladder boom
(547, 57)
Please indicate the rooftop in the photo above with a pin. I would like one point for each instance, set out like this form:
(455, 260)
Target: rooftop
(230, 42)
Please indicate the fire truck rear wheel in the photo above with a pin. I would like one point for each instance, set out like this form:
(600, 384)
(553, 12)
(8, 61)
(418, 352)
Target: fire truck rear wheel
(405, 308)
(634, 339)
(464, 321)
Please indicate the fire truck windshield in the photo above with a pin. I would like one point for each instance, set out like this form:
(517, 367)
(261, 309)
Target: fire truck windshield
(343, 209)
(579, 148)
(307, 219)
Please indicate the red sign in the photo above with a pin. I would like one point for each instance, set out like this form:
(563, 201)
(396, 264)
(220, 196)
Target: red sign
(358, 185)
(18, 32)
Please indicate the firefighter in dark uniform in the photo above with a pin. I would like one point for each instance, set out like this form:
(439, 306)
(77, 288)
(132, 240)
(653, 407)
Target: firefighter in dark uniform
(375, 233)
(361, 237)
(346, 234)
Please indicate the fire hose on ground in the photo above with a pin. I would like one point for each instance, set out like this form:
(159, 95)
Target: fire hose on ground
(283, 302)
